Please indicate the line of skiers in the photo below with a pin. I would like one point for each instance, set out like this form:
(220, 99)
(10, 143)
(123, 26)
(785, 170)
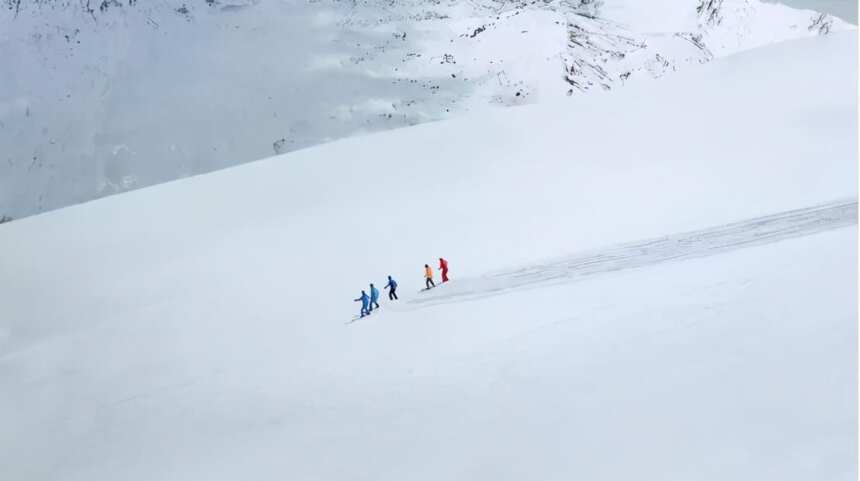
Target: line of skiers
(369, 302)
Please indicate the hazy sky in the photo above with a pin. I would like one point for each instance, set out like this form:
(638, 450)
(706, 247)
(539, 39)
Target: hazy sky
(845, 9)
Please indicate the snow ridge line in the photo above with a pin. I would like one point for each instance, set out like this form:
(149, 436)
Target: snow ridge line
(687, 245)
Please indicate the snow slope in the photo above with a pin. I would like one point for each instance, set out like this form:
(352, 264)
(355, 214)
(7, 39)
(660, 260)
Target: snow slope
(137, 93)
(195, 329)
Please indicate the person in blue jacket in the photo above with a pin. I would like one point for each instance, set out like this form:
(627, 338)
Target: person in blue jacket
(374, 298)
(365, 301)
(392, 284)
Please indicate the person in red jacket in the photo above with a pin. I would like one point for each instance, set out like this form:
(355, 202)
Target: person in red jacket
(443, 266)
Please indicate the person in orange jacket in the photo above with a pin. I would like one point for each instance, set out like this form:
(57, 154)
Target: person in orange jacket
(428, 277)
(443, 266)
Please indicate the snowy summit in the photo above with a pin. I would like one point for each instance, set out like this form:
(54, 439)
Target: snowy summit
(106, 97)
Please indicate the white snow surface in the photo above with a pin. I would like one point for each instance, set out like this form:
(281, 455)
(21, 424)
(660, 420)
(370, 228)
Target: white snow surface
(104, 102)
(197, 329)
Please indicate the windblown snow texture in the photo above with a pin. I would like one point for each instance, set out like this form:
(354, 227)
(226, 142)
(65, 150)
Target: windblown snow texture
(688, 245)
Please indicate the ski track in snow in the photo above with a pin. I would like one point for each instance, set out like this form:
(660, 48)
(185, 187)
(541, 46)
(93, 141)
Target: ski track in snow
(688, 245)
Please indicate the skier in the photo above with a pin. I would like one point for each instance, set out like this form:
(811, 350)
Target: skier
(365, 301)
(443, 266)
(428, 277)
(392, 284)
(374, 298)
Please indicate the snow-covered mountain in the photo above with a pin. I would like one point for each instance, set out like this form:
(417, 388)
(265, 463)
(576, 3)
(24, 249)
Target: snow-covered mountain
(103, 97)
(640, 291)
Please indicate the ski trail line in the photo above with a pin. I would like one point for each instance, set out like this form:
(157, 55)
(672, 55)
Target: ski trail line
(688, 245)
